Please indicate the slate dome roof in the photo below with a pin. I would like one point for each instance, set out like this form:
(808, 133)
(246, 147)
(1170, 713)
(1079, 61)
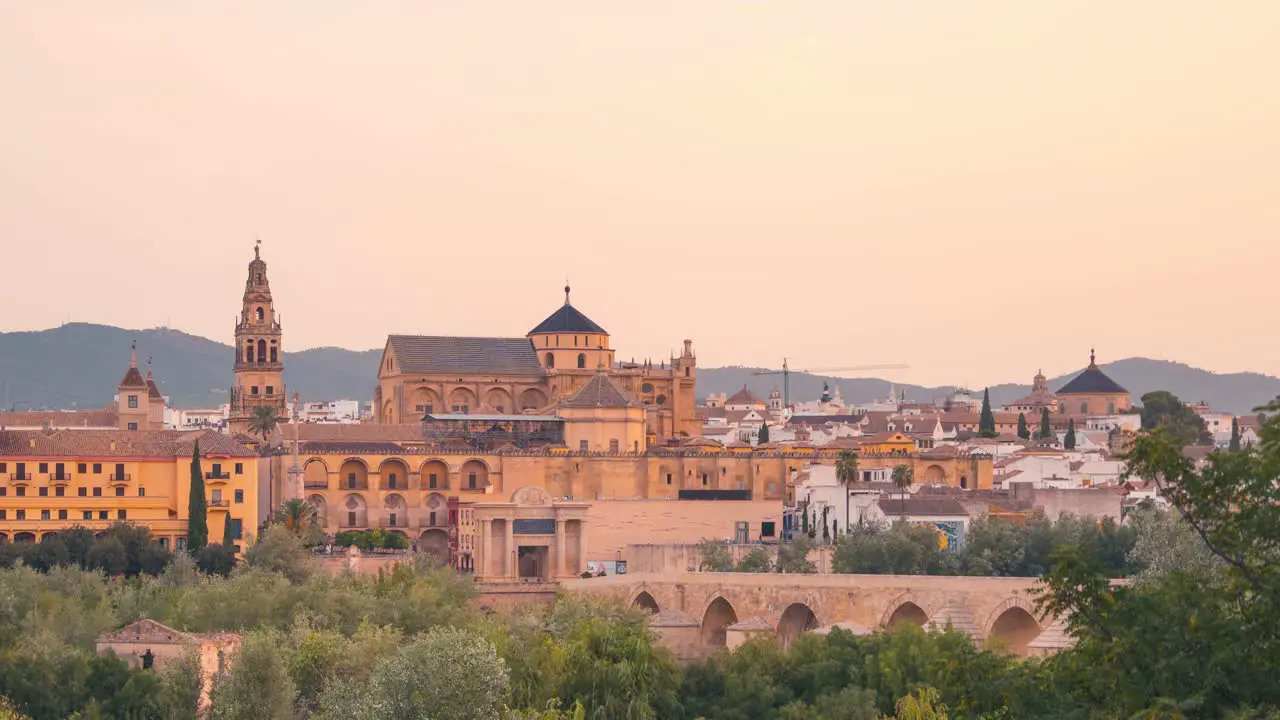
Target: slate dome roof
(1092, 382)
(567, 319)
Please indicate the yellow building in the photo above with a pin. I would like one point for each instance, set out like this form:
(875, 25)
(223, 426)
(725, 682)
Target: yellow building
(425, 375)
(53, 480)
(889, 443)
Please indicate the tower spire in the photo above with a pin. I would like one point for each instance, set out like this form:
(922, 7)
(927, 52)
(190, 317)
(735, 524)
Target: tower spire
(566, 292)
(257, 246)
(1093, 358)
(133, 354)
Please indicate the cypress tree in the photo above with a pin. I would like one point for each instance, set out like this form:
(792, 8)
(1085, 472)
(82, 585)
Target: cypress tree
(1046, 431)
(764, 433)
(197, 509)
(1235, 436)
(986, 421)
(1024, 432)
(227, 540)
(1069, 442)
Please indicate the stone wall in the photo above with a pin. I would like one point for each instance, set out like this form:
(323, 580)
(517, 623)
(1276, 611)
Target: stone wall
(613, 525)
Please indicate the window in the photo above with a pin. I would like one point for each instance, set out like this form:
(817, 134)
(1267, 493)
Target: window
(142, 492)
(88, 514)
(1084, 408)
(391, 517)
(260, 314)
(60, 491)
(391, 481)
(62, 514)
(661, 400)
(431, 481)
(4, 491)
(239, 496)
(44, 468)
(686, 372)
(432, 520)
(766, 528)
(46, 515)
(82, 491)
(271, 389)
(22, 514)
(273, 353)
(239, 468)
(217, 496)
(613, 446)
(461, 409)
(44, 492)
(97, 468)
(4, 467)
(119, 491)
(102, 514)
(704, 479)
(582, 360)
(575, 341)
(471, 481)
(351, 481)
(22, 492)
(237, 529)
(248, 352)
(253, 389)
(217, 469)
(119, 472)
(133, 402)
(121, 514)
(82, 468)
(97, 492)
(668, 478)
(133, 426)
(181, 543)
(551, 360)
(583, 446)
(351, 519)
(4, 514)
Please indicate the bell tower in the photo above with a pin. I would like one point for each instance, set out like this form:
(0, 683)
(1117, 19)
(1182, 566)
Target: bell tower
(259, 367)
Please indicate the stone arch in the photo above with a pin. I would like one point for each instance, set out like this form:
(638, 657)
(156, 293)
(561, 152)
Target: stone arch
(532, 399)
(394, 503)
(424, 401)
(49, 534)
(322, 509)
(499, 401)
(434, 541)
(1014, 624)
(262, 351)
(355, 512)
(716, 619)
(935, 475)
(906, 608)
(353, 474)
(797, 618)
(393, 474)
(434, 475)
(315, 474)
(462, 400)
(646, 602)
(475, 475)
(29, 537)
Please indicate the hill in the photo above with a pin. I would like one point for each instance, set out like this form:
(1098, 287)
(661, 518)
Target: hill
(79, 365)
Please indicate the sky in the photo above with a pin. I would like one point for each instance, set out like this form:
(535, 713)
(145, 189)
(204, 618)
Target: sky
(976, 189)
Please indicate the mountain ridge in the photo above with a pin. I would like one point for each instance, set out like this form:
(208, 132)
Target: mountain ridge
(80, 364)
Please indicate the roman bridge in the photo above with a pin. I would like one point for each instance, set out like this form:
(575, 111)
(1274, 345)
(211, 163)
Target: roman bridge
(696, 613)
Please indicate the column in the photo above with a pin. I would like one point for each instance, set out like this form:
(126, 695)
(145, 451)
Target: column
(511, 560)
(558, 569)
(480, 554)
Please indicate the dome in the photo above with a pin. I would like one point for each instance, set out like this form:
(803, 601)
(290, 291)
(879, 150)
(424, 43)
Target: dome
(567, 319)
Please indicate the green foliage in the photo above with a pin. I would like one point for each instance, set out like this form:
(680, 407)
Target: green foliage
(921, 704)
(255, 685)
(1069, 441)
(123, 549)
(263, 421)
(197, 507)
(756, 561)
(1163, 410)
(897, 549)
(847, 467)
(1046, 428)
(1024, 432)
(228, 534)
(216, 559)
(300, 518)
(793, 557)
(714, 556)
(371, 539)
(763, 437)
(280, 551)
(986, 420)
(1234, 444)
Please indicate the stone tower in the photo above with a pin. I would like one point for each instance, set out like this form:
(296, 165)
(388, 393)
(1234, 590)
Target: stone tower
(132, 399)
(259, 366)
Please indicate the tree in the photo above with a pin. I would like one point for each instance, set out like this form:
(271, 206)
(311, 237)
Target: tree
(1234, 445)
(1024, 432)
(987, 420)
(256, 686)
(1163, 409)
(228, 535)
(263, 421)
(197, 508)
(1046, 428)
(756, 561)
(713, 556)
(902, 477)
(297, 516)
(847, 475)
(921, 704)
(1069, 442)
(793, 557)
(764, 433)
(216, 559)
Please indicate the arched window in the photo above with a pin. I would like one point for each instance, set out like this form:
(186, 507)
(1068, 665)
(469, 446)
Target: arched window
(1111, 408)
(260, 314)
(551, 360)
(262, 351)
(273, 354)
(1084, 408)
(248, 352)
(582, 360)
(575, 341)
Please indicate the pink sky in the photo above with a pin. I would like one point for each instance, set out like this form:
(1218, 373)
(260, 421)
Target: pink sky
(979, 189)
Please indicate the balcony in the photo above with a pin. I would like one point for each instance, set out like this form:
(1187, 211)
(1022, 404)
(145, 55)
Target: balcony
(219, 503)
(20, 477)
(315, 484)
(212, 475)
(120, 477)
(60, 477)
(259, 365)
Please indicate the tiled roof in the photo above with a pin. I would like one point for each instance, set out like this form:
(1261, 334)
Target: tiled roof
(338, 447)
(153, 392)
(743, 397)
(57, 419)
(918, 506)
(359, 432)
(823, 419)
(433, 355)
(119, 443)
(133, 379)
(598, 392)
(567, 319)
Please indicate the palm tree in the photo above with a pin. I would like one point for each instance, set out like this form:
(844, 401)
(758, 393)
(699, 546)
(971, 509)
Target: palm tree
(847, 474)
(296, 515)
(903, 476)
(263, 421)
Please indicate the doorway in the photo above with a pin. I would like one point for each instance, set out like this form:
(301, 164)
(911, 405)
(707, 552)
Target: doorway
(532, 563)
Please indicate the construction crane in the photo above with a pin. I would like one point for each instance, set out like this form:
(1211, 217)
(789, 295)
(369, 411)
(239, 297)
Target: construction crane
(786, 371)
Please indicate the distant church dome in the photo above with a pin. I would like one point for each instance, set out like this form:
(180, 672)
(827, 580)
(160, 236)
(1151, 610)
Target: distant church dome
(567, 319)
(1092, 382)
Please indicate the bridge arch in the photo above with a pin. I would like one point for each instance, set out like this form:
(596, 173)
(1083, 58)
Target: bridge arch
(644, 601)
(906, 608)
(1014, 624)
(796, 619)
(716, 619)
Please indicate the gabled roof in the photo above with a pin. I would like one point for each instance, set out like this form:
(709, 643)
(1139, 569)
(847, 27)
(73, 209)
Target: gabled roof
(567, 319)
(435, 355)
(1092, 382)
(133, 379)
(153, 392)
(743, 397)
(598, 392)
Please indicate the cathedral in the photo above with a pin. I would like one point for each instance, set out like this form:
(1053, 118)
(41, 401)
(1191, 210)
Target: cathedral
(422, 375)
(259, 365)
